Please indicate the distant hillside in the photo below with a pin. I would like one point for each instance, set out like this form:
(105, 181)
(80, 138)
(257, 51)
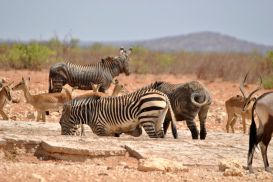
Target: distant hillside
(198, 42)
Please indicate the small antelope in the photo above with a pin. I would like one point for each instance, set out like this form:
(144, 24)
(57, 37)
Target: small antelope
(234, 108)
(117, 89)
(45, 101)
(5, 96)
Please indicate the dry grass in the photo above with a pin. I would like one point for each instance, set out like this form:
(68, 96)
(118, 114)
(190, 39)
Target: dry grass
(207, 66)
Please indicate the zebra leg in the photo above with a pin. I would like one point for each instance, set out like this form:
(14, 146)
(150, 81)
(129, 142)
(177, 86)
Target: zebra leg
(159, 123)
(82, 130)
(192, 126)
(202, 118)
(149, 127)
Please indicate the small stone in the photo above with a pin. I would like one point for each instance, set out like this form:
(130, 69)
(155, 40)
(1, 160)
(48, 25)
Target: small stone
(38, 177)
(160, 164)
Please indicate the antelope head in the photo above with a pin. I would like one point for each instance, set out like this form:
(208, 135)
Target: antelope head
(249, 100)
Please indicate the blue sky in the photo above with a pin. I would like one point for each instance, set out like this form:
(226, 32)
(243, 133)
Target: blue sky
(110, 20)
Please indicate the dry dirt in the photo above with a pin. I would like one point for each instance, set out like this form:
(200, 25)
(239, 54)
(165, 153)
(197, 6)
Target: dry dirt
(27, 167)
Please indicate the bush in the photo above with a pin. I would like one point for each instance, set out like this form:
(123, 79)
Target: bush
(268, 82)
(31, 56)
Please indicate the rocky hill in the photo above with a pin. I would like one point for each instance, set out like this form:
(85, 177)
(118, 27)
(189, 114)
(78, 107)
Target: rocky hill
(198, 42)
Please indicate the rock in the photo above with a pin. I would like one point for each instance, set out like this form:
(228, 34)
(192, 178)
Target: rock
(30, 115)
(233, 172)
(38, 177)
(160, 164)
(13, 118)
(231, 168)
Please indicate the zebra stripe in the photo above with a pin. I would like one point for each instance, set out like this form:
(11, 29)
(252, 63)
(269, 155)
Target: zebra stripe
(83, 77)
(113, 115)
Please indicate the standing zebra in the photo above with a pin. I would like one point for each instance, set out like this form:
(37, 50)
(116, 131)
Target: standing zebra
(187, 100)
(110, 116)
(83, 77)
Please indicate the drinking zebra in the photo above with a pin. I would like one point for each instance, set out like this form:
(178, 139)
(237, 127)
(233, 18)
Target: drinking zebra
(83, 77)
(110, 116)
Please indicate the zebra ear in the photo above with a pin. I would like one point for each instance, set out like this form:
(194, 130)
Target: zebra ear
(128, 52)
(121, 51)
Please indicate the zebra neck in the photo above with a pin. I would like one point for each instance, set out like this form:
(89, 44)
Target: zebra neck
(113, 69)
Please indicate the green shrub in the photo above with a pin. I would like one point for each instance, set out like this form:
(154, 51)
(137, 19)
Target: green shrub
(28, 56)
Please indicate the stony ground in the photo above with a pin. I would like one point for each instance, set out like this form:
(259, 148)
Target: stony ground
(220, 157)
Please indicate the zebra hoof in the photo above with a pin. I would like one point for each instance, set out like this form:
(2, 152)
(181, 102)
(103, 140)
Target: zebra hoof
(203, 136)
(117, 134)
(195, 136)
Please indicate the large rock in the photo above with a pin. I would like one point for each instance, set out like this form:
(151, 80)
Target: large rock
(160, 164)
(231, 168)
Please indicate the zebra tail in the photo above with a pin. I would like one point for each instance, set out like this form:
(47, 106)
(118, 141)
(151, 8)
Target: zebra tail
(253, 139)
(173, 122)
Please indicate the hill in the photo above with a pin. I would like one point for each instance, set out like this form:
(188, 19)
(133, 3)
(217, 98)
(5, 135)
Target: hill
(198, 42)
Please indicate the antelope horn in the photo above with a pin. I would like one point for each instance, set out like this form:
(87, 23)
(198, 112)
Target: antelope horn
(10, 83)
(258, 88)
(242, 86)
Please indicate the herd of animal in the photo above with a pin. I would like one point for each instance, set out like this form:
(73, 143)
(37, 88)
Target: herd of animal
(153, 107)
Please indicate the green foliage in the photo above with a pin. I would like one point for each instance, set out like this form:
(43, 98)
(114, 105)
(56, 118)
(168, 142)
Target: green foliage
(31, 56)
(139, 50)
(268, 82)
(165, 60)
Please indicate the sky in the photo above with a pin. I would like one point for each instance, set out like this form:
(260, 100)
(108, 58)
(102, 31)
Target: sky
(121, 20)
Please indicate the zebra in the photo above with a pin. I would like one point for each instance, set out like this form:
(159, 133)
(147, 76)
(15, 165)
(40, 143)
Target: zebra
(110, 116)
(83, 77)
(187, 100)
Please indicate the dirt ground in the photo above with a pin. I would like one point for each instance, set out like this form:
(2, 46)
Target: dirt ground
(30, 168)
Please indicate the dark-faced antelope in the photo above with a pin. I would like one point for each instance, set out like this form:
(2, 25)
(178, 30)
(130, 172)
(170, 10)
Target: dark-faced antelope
(263, 109)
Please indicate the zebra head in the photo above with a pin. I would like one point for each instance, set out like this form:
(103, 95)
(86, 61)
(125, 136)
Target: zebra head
(68, 127)
(123, 60)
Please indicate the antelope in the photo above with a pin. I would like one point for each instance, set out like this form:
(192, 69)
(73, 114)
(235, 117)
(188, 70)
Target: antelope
(45, 101)
(234, 108)
(117, 89)
(263, 108)
(5, 96)
(95, 87)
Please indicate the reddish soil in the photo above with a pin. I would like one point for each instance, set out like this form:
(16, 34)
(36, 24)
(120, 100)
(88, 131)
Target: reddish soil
(29, 168)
